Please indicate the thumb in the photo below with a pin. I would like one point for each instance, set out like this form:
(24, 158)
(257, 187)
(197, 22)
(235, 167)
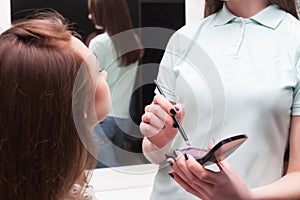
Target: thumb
(179, 111)
(211, 144)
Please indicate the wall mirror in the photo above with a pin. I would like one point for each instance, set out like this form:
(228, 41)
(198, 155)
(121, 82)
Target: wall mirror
(168, 14)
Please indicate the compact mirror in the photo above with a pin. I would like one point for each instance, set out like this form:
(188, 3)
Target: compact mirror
(219, 152)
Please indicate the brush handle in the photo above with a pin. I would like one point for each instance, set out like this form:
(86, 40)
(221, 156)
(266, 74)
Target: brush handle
(181, 130)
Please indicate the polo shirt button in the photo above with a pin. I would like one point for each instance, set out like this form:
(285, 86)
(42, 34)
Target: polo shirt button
(241, 24)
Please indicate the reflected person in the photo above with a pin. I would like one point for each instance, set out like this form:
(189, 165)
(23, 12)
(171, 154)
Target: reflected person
(118, 51)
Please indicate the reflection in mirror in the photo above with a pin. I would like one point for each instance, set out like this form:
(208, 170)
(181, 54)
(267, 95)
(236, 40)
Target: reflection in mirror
(118, 50)
(168, 14)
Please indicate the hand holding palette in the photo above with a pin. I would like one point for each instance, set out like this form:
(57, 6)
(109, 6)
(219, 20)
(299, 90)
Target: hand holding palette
(219, 152)
(180, 128)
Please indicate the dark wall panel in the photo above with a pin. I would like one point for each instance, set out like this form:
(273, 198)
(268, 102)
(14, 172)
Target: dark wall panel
(75, 10)
(154, 13)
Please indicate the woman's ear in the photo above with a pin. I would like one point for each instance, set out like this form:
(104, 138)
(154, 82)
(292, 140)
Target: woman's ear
(90, 16)
(98, 27)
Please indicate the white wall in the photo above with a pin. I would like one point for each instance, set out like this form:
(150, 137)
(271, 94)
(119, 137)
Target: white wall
(5, 15)
(194, 10)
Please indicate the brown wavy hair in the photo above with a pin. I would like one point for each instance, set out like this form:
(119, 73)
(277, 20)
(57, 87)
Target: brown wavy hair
(41, 153)
(290, 6)
(114, 16)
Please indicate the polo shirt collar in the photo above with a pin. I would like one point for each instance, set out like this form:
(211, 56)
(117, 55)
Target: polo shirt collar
(224, 16)
(269, 17)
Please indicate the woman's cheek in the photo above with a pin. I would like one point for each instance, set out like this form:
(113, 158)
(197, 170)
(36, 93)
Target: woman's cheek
(102, 100)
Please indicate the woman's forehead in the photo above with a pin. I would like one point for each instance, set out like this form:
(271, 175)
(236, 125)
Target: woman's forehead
(88, 57)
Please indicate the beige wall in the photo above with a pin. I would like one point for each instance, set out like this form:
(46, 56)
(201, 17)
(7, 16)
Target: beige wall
(5, 15)
(194, 10)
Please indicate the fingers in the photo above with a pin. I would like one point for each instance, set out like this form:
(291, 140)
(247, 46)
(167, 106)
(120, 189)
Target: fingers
(154, 120)
(187, 179)
(193, 190)
(164, 103)
(180, 166)
(158, 115)
(227, 184)
(179, 111)
(224, 166)
(157, 124)
(193, 172)
(155, 116)
(168, 107)
(200, 172)
(148, 130)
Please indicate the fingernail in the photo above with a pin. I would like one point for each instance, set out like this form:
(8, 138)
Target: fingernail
(172, 111)
(176, 108)
(186, 157)
(175, 125)
(175, 153)
(171, 175)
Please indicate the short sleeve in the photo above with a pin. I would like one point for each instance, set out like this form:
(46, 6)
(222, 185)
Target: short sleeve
(98, 48)
(296, 96)
(166, 74)
(175, 54)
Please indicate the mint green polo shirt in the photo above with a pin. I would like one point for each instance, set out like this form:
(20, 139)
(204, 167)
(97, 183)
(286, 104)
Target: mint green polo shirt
(241, 76)
(120, 79)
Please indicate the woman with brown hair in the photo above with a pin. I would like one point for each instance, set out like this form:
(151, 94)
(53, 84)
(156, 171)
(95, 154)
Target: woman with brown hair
(50, 98)
(119, 51)
(246, 80)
